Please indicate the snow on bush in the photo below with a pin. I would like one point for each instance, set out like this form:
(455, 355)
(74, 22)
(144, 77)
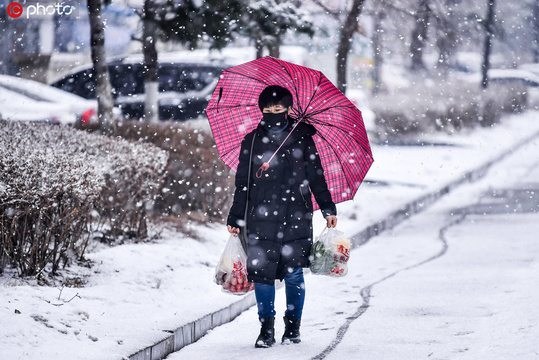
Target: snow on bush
(445, 106)
(198, 183)
(53, 178)
(133, 174)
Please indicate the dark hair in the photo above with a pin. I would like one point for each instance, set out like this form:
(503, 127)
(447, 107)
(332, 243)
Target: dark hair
(275, 95)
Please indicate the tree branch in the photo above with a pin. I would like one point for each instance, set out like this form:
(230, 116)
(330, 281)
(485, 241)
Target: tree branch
(63, 301)
(386, 4)
(333, 13)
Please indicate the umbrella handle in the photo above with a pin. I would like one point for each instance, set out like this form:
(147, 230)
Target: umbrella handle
(261, 169)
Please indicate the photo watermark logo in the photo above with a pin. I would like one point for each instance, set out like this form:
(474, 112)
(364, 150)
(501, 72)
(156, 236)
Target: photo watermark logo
(15, 9)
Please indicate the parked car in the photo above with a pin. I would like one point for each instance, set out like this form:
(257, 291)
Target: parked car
(184, 88)
(28, 100)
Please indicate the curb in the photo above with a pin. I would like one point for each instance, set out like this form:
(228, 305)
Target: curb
(193, 331)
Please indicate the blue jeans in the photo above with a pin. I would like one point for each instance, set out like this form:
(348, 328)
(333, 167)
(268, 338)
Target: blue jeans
(295, 296)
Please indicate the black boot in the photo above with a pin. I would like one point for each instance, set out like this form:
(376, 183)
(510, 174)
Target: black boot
(291, 331)
(267, 333)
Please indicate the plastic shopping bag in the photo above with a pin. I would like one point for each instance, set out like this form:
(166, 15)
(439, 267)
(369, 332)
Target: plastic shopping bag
(330, 253)
(231, 272)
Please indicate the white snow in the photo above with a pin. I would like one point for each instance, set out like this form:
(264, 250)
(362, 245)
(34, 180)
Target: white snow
(135, 292)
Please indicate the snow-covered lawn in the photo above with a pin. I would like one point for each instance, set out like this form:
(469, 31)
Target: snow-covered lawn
(136, 292)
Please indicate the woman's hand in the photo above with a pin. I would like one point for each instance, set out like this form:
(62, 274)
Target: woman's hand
(233, 230)
(332, 221)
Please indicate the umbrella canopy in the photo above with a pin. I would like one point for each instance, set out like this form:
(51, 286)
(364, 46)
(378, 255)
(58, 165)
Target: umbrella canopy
(341, 139)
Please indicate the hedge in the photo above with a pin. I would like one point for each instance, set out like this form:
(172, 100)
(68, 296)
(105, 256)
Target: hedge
(198, 185)
(444, 106)
(58, 184)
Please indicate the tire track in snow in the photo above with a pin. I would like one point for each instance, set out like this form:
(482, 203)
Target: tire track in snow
(366, 291)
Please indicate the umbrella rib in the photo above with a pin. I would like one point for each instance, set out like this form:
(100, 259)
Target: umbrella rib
(291, 78)
(311, 119)
(315, 91)
(317, 112)
(246, 76)
(232, 106)
(340, 161)
(357, 140)
(353, 136)
(301, 111)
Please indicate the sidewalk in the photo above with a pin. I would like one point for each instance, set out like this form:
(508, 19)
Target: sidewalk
(398, 192)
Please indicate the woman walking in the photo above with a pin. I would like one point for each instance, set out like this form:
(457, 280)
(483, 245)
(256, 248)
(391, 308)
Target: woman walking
(272, 209)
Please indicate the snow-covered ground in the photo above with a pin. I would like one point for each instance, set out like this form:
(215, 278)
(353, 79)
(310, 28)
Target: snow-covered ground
(456, 281)
(136, 292)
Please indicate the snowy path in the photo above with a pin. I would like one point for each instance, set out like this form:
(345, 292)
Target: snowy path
(454, 282)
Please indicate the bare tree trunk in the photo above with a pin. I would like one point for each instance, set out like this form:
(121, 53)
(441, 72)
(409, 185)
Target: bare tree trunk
(377, 47)
(348, 29)
(446, 36)
(489, 27)
(419, 35)
(275, 50)
(259, 46)
(7, 33)
(101, 71)
(151, 75)
(536, 32)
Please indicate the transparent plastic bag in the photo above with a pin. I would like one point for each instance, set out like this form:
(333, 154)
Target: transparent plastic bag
(330, 253)
(231, 272)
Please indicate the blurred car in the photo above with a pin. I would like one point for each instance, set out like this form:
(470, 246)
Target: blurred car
(28, 100)
(511, 75)
(184, 88)
(16, 107)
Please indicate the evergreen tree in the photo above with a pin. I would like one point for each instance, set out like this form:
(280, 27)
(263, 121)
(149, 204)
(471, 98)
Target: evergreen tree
(191, 22)
(266, 22)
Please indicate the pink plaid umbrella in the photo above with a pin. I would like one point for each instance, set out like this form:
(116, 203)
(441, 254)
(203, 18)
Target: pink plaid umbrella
(341, 139)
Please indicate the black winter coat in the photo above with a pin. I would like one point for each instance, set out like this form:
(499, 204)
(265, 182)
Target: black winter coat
(279, 216)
